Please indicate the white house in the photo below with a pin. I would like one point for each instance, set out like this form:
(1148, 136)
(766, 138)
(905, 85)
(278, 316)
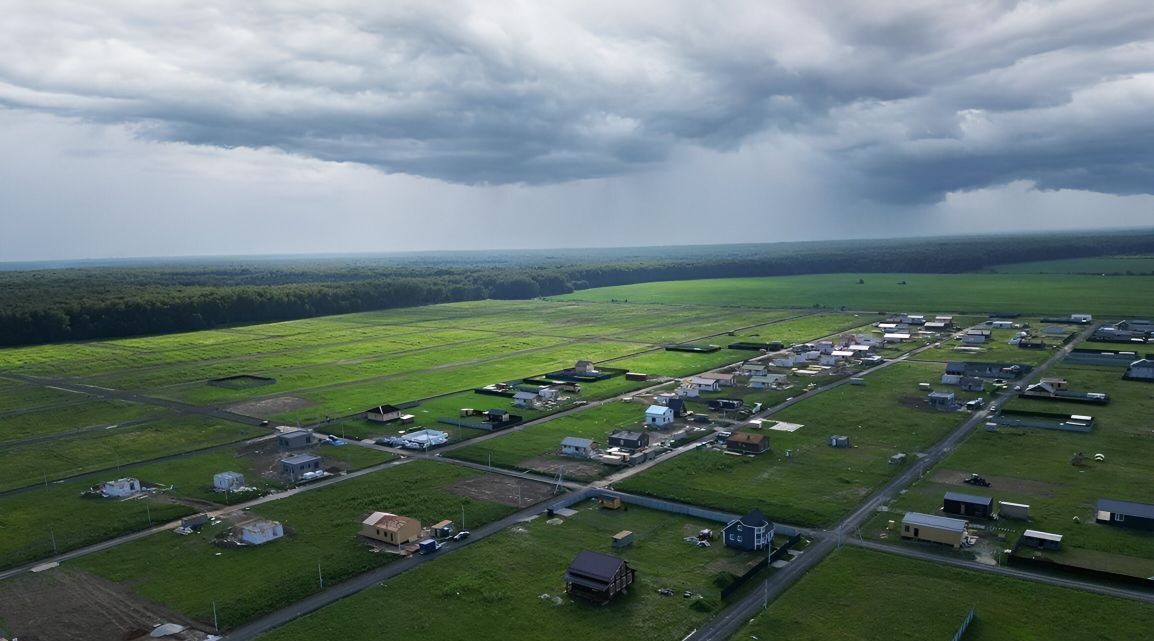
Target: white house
(896, 337)
(1081, 318)
(951, 379)
(825, 347)
(1002, 324)
(658, 416)
(577, 447)
(788, 361)
(227, 481)
(120, 487)
(725, 380)
(261, 532)
(705, 384)
(973, 338)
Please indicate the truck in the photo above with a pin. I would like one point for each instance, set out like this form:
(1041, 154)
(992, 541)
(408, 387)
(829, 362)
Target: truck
(429, 546)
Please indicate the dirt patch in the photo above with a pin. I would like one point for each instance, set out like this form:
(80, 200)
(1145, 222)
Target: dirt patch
(1001, 484)
(269, 406)
(918, 403)
(64, 605)
(242, 382)
(506, 490)
(571, 469)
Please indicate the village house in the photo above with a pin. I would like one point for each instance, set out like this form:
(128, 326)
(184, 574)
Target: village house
(723, 380)
(1137, 516)
(391, 528)
(768, 381)
(968, 505)
(629, 440)
(705, 384)
(227, 481)
(1140, 370)
(295, 467)
(752, 532)
(120, 487)
(295, 439)
(576, 447)
(754, 369)
(525, 399)
(383, 414)
(598, 577)
(658, 416)
(747, 443)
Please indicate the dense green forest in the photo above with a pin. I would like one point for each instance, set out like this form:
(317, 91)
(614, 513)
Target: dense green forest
(73, 303)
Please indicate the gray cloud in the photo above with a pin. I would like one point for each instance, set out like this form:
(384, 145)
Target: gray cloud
(905, 103)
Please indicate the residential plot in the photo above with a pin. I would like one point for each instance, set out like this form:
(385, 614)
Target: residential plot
(857, 595)
(815, 483)
(512, 586)
(35, 463)
(537, 447)
(83, 414)
(1040, 468)
(189, 573)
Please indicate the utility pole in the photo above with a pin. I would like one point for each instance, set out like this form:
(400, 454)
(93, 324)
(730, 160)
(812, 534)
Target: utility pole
(148, 512)
(320, 577)
(52, 533)
(462, 516)
(215, 623)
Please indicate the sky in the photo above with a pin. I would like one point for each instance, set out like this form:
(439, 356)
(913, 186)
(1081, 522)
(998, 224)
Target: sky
(216, 127)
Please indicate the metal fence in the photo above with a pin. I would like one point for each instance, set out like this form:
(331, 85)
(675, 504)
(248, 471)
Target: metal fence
(964, 626)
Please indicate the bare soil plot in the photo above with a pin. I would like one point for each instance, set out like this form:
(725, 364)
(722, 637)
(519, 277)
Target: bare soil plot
(63, 605)
(501, 489)
(571, 469)
(1003, 484)
(270, 406)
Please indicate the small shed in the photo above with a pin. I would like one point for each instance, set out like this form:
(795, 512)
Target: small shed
(898, 459)
(1008, 510)
(1141, 370)
(933, 528)
(658, 416)
(260, 532)
(383, 414)
(705, 384)
(968, 505)
(972, 384)
(609, 502)
(549, 393)
(194, 522)
(623, 539)
(295, 439)
(747, 443)
(1127, 514)
(297, 466)
(636, 376)
(839, 441)
(576, 447)
(443, 529)
(1041, 540)
(766, 381)
(227, 481)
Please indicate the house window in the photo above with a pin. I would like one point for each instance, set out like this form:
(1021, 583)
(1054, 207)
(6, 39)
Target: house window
(738, 527)
(738, 537)
(1119, 517)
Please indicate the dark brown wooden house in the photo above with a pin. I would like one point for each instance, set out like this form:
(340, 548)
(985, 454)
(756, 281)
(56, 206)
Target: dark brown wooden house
(747, 443)
(598, 577)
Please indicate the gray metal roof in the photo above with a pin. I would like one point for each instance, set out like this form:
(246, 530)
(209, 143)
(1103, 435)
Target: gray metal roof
(1045, 536)
(930, 520)
(968, 498)
(1128, 508)
(297, 459)
(573, 441)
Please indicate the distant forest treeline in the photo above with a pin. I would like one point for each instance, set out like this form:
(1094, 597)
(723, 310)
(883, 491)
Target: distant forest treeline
(39, 306)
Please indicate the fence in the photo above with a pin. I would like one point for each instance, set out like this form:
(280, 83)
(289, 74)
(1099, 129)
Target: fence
(965, 625)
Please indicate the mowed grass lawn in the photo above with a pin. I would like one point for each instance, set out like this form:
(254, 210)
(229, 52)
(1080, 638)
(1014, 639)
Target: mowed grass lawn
(1033, 466)
(1117, 296)
(858, 595)
(516, 449)
(490, 590)
(71, 417)
(818, 483)
(188, 573)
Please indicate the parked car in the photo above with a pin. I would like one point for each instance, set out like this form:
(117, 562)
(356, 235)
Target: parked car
(461, 536)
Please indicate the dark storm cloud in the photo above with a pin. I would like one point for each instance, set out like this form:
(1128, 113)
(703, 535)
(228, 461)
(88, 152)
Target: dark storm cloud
(910, 102)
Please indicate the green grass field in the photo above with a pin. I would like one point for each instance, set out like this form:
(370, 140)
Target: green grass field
(489, 591)
(187, 573)
(883, 417)
(857, 595)
(973, 293)
(73, 417)
(1096, 266)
